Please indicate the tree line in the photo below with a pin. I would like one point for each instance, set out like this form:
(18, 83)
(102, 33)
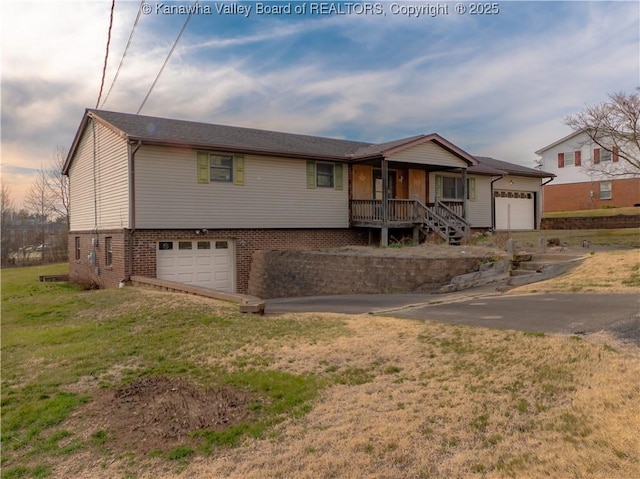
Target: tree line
(37, 232)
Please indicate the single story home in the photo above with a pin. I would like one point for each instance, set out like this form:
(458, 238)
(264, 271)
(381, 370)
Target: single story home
(191, 202)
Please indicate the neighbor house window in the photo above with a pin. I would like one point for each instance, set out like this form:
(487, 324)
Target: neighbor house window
(77, 247)
(569, 158)
(605, 155)
(605, 190)
(108, 251)
(324, 175)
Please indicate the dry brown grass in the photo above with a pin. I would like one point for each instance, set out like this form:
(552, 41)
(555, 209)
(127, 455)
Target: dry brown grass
(604, 271)
(428, 400)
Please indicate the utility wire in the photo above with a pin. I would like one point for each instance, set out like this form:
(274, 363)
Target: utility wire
(186, 22)
(124, 54)
(106, 55)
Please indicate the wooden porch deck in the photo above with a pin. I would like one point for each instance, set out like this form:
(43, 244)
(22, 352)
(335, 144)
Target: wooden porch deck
(400, 213)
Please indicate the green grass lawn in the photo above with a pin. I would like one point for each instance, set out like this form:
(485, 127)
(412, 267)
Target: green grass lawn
(331, 395)
(54, 335)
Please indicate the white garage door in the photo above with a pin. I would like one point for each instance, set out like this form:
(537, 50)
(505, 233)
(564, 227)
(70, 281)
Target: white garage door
(208, 263)
(515, 210)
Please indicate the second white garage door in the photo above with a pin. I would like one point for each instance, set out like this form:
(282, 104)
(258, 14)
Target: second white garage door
(208, 263)
(515, 210)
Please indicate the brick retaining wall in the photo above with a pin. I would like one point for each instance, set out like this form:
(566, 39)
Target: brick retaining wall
(276, 274)
(591, 223)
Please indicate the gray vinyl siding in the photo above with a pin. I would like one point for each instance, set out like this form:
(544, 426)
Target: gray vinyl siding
(428, 154)
(517, 183)
(274, 195)
(479, 211)
(99, 189)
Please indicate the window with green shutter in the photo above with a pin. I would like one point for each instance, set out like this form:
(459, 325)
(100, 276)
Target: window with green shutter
(325, 175)
(220, 167)
(450, 188)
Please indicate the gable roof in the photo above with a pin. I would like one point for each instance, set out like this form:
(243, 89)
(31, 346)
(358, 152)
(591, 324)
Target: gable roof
(491, 166)
(392, 147)
(556, 143)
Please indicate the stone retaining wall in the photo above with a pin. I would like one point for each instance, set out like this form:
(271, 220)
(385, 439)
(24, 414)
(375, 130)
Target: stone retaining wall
(276, 274)
(591, 223)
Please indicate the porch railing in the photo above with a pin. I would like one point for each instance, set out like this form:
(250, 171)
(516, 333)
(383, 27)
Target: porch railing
(445, 219)
(370, 211)
(399, 211)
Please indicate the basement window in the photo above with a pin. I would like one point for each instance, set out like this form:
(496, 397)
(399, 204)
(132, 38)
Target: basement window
(77, 247)
(605, 190)
(108, 251)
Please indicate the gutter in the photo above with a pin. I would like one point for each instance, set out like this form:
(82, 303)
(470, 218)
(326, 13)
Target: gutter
(132, 205)
(242, 150)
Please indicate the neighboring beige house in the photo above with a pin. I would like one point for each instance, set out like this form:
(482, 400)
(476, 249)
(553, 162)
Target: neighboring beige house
(191, 202)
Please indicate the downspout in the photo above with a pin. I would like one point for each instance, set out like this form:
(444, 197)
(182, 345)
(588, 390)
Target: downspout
(493, 203)
(539, 206)
(132, 205)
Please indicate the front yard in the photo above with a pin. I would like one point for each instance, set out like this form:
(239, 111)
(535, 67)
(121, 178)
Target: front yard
(142, 384)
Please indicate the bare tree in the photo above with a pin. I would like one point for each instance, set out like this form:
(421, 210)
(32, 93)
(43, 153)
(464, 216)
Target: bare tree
(40, 200)
(6, 210)
(613, 126)
(58, 185)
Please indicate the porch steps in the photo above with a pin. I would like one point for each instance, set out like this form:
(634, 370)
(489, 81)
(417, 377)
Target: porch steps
(445, 222)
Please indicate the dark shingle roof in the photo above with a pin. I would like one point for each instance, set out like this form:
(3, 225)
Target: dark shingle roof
(195, 134)
(491, 166)
(164, 130)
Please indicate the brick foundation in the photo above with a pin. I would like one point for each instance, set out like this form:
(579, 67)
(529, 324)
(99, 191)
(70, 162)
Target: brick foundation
(578, 196)
(99, 274)
(247, 242)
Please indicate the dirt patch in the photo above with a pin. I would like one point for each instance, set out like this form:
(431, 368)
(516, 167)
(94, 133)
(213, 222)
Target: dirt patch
(157, 413)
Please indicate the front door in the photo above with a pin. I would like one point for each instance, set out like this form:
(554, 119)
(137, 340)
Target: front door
(377, 185)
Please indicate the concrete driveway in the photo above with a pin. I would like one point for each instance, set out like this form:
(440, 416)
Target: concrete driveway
(567, 313)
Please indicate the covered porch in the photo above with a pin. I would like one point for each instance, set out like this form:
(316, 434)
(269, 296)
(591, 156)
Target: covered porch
(398, 185)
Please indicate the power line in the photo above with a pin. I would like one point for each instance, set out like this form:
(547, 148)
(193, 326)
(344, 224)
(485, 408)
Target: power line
(124, 54)
(106, 55)
(186, 22)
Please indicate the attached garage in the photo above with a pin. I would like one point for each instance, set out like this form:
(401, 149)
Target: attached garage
(515, 210)
(207, 263)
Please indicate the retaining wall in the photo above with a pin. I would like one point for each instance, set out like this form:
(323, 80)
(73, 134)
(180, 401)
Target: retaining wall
(591, 223)
(276, 274)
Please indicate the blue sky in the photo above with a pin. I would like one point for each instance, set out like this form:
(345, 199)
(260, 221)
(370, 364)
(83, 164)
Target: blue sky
(496, 85)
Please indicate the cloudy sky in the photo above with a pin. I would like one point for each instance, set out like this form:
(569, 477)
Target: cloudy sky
(495, 84)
